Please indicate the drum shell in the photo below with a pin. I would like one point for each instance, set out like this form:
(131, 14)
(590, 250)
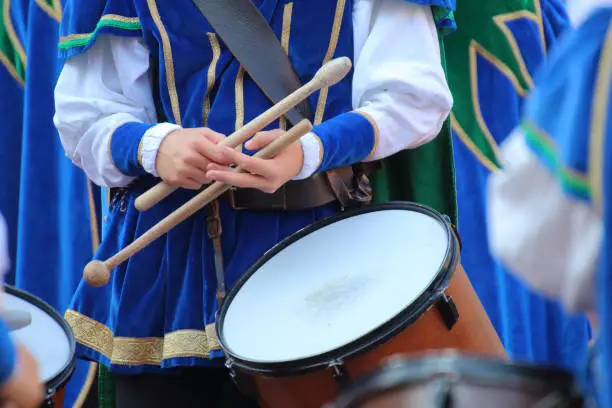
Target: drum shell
(449, 379)
(465, 394)
(472, 334)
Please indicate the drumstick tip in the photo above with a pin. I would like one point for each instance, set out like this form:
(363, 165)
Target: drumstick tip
(334, 71)
(96, 274)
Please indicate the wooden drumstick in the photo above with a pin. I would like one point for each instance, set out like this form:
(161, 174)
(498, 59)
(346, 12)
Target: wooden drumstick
(97, 273)
(328, 75)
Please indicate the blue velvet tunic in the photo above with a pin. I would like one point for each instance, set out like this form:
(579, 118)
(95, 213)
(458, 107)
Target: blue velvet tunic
(568, 126)
(532, 328)
(158, 310)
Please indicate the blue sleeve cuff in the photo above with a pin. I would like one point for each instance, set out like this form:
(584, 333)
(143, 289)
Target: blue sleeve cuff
(7, 353)
(126, 148)
(345, 140)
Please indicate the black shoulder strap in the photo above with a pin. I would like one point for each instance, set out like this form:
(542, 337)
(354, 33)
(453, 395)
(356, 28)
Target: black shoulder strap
(249, 37)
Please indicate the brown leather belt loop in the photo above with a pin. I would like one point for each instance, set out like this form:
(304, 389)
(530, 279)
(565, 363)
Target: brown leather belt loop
(214, 230)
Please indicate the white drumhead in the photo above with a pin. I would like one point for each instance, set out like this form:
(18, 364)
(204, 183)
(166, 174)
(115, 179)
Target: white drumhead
(44, 338)
(334, 286)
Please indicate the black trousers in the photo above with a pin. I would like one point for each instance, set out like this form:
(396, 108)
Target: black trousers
(185, 388)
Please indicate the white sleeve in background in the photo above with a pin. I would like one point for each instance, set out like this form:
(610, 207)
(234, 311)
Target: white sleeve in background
(99, 91)
(546, 238)
(398, 79)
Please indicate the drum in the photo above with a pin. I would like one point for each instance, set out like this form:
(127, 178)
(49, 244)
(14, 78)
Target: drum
(450, 380)
(334, 300)
(48, 338)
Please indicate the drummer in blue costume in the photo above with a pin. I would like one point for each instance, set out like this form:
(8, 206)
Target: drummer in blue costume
(19, 382)
(153, 324)
(549, 209)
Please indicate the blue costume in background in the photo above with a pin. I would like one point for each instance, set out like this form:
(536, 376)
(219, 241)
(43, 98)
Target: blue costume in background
(158, 309)
(12, 78)
(7, 354)
(50, 208)
(568, 126)
(531, 327)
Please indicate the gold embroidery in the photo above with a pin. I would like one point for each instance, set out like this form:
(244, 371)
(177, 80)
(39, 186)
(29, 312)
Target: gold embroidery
(91, 376)
(168, 60)
(331, 50)
(540, 20)
(285, 36)
(374, 128)
(139, 154)
(90, 333)
(474, 50)
(212, 73)
(110, 138)
(54, 11)
(598, 123)
(211, 334)
(239, 95)
(321, 149)
(93, 218)
(131, 351)
(106, 17)
(10, 68)
(501, 21)
(139, 351)
(187, 343)
(463, 136)
(10, 31)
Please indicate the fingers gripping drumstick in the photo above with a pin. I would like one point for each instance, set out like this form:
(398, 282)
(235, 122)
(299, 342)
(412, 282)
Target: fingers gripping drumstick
(328, 75)
(97, 273)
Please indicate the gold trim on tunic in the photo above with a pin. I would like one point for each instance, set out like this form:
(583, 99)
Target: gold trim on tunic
(142, 351)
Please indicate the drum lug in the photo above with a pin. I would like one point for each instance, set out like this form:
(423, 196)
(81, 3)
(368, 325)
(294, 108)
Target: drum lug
(455, 230)
(244, 383)
(339, 373)
(448, 310)
(443, 395)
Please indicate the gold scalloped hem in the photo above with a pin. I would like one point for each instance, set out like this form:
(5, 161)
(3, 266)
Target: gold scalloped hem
(142, 351)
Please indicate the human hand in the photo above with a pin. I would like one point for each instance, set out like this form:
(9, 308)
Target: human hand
(23, 389)
(267, 175)
(184, 155)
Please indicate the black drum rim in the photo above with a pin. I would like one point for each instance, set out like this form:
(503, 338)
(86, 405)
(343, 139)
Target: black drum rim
(64, 375)
(430, 296)
(451, 366)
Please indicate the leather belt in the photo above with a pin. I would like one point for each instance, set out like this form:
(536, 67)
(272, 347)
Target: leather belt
(320, 189)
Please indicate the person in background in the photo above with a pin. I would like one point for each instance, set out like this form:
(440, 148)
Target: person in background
(549, 209)
(491, 60)
(153, 324)
(19, 384)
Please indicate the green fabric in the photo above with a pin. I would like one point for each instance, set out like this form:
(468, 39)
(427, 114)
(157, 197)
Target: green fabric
(479, 28)
(10, 47)
(571, 179)
(105, 21)
(106, 388)
(425, 175)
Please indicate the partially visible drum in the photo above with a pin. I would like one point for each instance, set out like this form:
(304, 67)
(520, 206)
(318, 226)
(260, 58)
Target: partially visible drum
(333, 301)
(48, 338)
(452, 381)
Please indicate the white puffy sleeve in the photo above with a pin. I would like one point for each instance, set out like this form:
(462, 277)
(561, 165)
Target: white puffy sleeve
(548, 239)
(399, 83)
(100, 91)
